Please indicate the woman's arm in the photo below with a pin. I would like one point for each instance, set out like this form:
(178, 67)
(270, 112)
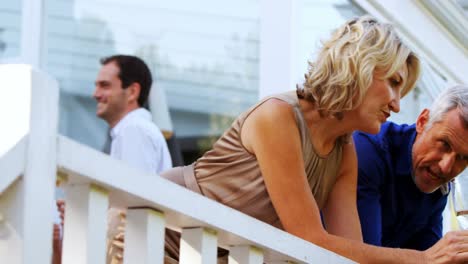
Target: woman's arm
(271, 134)
(340, 212)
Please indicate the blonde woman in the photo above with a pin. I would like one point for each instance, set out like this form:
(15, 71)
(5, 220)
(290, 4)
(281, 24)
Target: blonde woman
(290, 157)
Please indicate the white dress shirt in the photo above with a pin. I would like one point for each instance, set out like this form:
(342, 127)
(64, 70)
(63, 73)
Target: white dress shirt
(139, 142)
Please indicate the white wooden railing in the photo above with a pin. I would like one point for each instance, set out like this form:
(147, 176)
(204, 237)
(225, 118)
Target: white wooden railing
(93, 181)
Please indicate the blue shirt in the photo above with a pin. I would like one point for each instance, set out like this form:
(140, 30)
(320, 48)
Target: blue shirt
(393, 211)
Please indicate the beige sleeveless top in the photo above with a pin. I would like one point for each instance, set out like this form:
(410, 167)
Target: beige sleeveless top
(231, 175)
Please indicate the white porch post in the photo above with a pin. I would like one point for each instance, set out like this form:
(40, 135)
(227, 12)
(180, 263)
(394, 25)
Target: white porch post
(40, 171)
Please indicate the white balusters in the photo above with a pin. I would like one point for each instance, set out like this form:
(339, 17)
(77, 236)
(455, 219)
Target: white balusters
(245, 255)
(144, 237)
(198, 246)
(84, 239)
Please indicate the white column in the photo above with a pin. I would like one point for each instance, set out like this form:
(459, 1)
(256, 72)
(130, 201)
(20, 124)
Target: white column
(159, 109)
(144, 237)
(11, 219)
(40, 170)
(279, 21)
(84, 238)
(198, 246)
(12, 166)
(245, 255)
(33, 32)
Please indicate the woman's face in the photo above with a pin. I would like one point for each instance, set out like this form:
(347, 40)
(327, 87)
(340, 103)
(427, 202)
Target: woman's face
(382, 98)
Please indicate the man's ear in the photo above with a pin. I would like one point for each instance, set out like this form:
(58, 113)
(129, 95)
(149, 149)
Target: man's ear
(134, 92)
(422, 120)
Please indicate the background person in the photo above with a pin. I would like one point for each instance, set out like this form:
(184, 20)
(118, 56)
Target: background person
(122, 88)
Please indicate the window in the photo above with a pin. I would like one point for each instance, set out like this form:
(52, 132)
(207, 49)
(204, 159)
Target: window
(463, 4)
(10, 28)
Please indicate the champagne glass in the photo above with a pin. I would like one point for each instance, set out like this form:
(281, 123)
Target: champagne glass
(459, 195)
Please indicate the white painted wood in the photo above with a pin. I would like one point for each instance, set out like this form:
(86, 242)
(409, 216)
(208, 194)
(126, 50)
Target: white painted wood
(12, 164)
(40, 169)
(278, 60)
(144, 237)
(198, 246)
(11, 224)
(16, 100)
(140, 189)
(84, 238)
(450, 14)
(245, 255)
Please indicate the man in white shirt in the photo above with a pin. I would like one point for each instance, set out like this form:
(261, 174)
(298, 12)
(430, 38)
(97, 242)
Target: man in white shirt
(122, 88)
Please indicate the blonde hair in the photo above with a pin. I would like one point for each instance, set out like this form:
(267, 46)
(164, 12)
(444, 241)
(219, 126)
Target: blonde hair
(338, 80)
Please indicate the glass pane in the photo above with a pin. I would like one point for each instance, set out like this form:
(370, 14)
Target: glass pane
(459, 197)
(10, 28)
(464, 5)
(203, 54)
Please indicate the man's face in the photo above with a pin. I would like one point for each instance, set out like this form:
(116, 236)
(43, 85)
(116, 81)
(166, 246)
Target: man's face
(441, 152)
(110, 96)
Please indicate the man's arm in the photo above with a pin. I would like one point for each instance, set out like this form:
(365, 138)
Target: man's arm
(370, 211)
(370, 175)
(432, 232)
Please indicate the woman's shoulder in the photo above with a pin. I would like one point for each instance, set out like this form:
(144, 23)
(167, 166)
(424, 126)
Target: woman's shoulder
(289, 97)
(273, 109)
(270, 117)
(273, 103)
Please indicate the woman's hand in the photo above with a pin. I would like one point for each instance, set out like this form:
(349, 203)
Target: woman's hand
(452, 248)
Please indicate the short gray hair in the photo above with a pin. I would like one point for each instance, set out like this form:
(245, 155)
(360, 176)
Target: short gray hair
(455, 97)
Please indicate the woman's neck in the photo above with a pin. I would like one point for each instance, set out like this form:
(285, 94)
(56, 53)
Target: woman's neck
(324, 131)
